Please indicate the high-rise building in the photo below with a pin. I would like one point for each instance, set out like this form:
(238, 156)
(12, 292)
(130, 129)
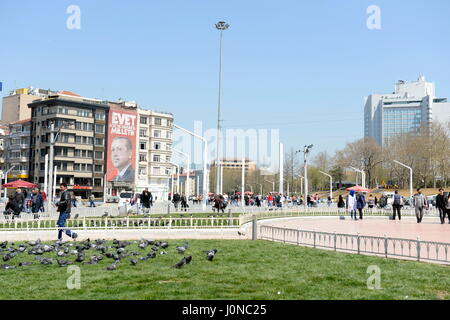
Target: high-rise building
(4, 134)
(15, 105)
(410, 106)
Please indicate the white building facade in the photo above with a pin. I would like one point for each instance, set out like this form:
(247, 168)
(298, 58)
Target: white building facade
(153, 153)
(410, 106)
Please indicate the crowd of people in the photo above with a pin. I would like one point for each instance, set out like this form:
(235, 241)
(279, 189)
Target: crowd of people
(23, 201)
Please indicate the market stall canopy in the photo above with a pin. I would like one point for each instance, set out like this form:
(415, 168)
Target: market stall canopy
(358, 189)
(19, 184)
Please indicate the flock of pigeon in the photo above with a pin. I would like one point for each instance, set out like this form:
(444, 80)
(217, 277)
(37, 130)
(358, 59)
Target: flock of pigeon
(65, 252)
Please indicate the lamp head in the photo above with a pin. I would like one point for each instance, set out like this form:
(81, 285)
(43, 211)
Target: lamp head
(222, 25)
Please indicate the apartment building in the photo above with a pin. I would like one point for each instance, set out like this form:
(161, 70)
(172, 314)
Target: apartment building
(153, 152)
(4, 133)
(79, 150)
(15, 105)
(18, 150)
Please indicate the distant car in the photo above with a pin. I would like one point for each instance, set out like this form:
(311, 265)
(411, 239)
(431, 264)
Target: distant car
(125, 198)
(112, 199)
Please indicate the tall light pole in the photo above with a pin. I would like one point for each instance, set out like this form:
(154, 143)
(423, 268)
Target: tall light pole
(410, 177)
(331, 183)
(6, 181)
(188, 160)
(306, 151)
(205, 162)
(243, 181)
(178, 176)
(221, 26)
(280, 187)
(292, 170)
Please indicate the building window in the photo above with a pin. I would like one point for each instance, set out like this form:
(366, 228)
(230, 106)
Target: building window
(157, 146)
(143, 133)
(143, 146)
(99, 116)
(99, 141)
(97, 182)
(98, 168)
(142, 171)
(98, 155)
(158, 121)
(157, 133)
(142, 157)
(156, 158)
(143, 120)
(99, 128)
(156, 170)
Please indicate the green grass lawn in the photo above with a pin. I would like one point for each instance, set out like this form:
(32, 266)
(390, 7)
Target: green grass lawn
(241, 270)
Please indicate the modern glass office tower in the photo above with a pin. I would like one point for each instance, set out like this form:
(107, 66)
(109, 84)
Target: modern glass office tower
(411, 105)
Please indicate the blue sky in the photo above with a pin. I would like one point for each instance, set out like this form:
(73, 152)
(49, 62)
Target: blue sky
(301, 66)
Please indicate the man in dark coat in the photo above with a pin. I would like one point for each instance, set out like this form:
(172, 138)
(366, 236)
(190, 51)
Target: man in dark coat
(36, 203)
(64, 208)
(19, 198)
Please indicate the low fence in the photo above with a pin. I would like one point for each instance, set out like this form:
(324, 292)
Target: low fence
(380, 246)
(325, 211)
(119, 223)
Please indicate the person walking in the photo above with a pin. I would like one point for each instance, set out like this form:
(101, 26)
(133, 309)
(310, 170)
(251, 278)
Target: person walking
(447, 207)
(145, 199)
(341, 202)
(441, 203)
(420, 203)
(64, 208)
(37, 202)
(370, 202)
(91, 201)
(150, 200)
(19, 198)
(351, 203)
(360, 203)
(184, 203)
(329, 201)
(397, 205)
(176, 200)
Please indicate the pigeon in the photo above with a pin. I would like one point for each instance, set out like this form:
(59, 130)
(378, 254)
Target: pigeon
(163, 252)
(155, 249)
(142, 245)
(47, 248)
(23, 264)
(3, 244)
(7, 257)
(112, 266)
(7, 266)
(120, 250)
(108, 254)
(63, 263)
(115, 256)
(80, 257)
(76, 216)
(183, 261)
(151, 255)
(182, 249)
(73, 252)
(99, 241)
(241, 233)
(60, 254)
(93, 260)
(22, 248)
(210, 254)
(66, 250)
(105, 215)
(133, 262)
(46, 261)
(164, 245)
(144, 258)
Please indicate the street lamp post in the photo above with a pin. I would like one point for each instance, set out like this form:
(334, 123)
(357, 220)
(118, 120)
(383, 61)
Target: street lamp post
(205, 162)
(221, 26)
(410, 177)
(280, 187)
(292, 170)
(188, 160)
(331, 183)
(306, 151)
(178, 176)
(273, 184)
(363, 176)
(6, 180)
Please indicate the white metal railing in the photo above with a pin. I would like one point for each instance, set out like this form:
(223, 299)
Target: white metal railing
(87, 223)
(382, 246)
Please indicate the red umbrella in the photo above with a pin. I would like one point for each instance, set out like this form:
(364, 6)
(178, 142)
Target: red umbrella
(19, 184)
(358, 189)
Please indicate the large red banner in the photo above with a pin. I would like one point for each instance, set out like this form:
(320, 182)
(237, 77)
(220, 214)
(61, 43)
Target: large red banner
(121, 146)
